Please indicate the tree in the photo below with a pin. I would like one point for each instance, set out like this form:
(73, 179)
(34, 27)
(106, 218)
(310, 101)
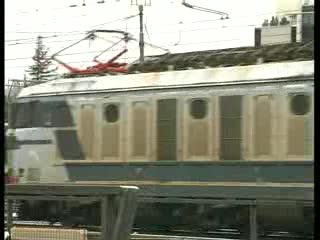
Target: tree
(41, 71)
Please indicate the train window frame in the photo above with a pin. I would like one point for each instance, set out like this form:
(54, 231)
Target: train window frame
(42, 114)
(193, 114)
(134, 105)
(36, 111)
(63, 109)
(298, 112)
(105, 117)
(25, 108)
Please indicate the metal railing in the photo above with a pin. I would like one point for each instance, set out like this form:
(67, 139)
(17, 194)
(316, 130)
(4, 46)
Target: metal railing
(117, 209)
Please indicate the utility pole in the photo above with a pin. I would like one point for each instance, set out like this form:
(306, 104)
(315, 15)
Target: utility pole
(25, 80)
(141, 39)
(140, 4)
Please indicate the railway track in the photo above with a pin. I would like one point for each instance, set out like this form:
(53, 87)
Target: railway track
(217, 235)
(143, 234)
(225, 236)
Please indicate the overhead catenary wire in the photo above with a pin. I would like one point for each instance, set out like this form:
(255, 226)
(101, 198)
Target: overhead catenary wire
(58, 34)
(154, 33)
(79, 53)
(136, 58)
(39, 10)
(120, 19)
(52, 36)
(66, 33)
(280, 13)
(166, 46)
(24, 66)
(149, 34)
(30, 42)
(72, 32)
(171, 24)
(69, 7)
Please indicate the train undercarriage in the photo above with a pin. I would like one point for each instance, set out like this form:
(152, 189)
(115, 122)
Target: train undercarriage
(166, 217)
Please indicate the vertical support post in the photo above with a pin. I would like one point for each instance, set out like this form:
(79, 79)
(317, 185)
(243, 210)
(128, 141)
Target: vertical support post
(141, 40)
(104, 217)
(9, 215)
(24, 80)
(257, 37)
(253, 222)
(108, 216)
(126, 213)
(112, 211)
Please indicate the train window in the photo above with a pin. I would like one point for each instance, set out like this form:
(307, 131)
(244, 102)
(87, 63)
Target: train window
(139, 128)
(36, 111)
(22, 115)
(61, 116)
(111, 113)
(198, 108)
(68, 145)
(262, 127)
(167, 129)
(87, 120)
(38, 114)
(230, 127)
(300, 104)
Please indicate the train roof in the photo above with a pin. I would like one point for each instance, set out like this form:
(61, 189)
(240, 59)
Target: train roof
(227, 57)
(258, 64)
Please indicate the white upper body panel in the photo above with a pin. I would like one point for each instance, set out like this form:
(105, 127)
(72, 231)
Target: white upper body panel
(221, 75)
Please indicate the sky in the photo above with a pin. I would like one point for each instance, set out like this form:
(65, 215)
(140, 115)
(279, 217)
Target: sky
(168, 24)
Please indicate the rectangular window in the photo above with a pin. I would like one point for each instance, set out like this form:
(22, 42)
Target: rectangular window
(60, 114)
(139, 129)
(41, 114)
(68, 145)
(87, 129)
(262, 125)
(22, 115)
(230, 127)
(167, 129)
(111, 131)
(198, 128)
(299, 124)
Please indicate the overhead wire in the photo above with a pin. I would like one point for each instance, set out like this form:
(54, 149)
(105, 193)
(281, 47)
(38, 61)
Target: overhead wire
(171, 24)
(73, 7)
(73, 32)
(69, 33)
(120, 19)
(297, 12)
(165, 46)
(148, 34)
(81, 6)
(52, 36)
(25, 66)
(284, 34)
(72, 18)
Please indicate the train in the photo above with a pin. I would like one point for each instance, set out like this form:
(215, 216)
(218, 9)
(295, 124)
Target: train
(173, 133)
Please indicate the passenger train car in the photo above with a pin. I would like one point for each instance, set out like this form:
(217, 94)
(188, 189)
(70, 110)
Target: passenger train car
(173, 132)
